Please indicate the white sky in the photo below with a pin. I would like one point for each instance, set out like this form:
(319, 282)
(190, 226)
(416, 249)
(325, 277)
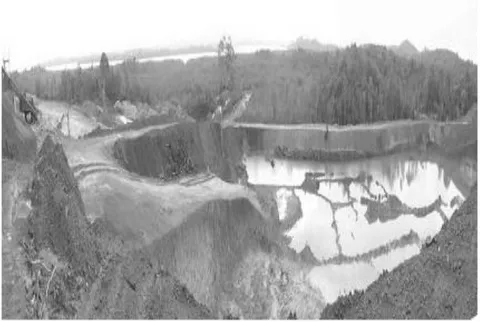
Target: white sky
(35, 31)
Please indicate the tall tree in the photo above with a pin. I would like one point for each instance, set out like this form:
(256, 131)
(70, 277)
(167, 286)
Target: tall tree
(104, 72)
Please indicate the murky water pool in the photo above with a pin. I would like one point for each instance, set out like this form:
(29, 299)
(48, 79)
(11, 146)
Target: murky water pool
(359, 218)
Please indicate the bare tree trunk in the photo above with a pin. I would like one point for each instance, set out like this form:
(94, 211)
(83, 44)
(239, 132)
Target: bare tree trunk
(103, 94)
(68, 120)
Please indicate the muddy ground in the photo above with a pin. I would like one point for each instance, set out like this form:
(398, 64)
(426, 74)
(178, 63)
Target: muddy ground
(439, 283)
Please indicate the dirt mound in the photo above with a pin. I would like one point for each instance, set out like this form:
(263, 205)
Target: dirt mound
(58, 221)
(439, 283)
(18, 139)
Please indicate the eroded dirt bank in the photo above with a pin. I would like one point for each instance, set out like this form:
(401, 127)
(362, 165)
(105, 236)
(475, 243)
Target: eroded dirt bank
(439, 283)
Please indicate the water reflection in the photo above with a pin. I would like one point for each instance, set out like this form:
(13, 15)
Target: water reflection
(359, 218)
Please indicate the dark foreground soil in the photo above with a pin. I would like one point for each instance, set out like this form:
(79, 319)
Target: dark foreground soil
(439, 283)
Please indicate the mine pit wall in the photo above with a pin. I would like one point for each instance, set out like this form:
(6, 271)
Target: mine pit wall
(187, 148)
(354, 142)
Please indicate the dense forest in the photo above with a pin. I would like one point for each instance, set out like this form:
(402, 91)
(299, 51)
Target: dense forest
(358, 84)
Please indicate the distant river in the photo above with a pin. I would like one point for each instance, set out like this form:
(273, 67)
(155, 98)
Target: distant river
(183, 57)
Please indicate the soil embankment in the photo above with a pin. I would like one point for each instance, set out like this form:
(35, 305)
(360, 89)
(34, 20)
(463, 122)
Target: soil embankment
(439, 283)
(314, 142)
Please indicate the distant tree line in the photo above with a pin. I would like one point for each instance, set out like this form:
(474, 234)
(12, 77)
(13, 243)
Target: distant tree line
(359, 84)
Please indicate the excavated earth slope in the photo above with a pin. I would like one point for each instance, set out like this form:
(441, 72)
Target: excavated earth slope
(82, 270)
(439, 283)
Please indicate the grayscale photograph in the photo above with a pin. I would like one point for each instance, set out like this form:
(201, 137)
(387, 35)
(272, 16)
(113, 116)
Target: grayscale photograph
(308, 159)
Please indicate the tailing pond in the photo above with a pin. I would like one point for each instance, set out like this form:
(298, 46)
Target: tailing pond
(353, 220)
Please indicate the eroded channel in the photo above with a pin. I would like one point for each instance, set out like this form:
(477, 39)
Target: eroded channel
(353, 220)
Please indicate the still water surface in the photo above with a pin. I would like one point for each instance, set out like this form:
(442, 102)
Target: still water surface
(352, 247)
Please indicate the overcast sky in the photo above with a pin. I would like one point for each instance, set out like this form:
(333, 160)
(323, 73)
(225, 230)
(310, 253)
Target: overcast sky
(35, 31)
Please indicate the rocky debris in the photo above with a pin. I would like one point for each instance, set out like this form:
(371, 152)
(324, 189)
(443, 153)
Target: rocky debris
(18, 140)
(439, 283)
